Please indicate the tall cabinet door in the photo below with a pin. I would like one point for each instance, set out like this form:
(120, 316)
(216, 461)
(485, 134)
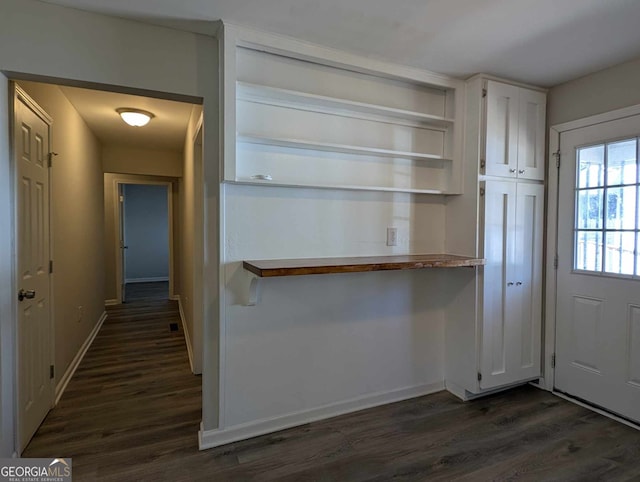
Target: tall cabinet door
(531, 130)
(502, 118)
(498, 283)
(527, 326)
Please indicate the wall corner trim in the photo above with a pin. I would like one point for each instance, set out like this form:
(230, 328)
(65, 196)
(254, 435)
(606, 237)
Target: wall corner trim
(213, 438)
(73, 366)
(187, 337)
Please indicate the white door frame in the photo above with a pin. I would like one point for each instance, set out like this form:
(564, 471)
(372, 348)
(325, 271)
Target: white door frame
(170, 213)
(17, 94)
(548, 379)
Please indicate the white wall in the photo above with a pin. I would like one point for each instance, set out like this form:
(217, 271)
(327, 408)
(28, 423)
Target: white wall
(39, 39)
(603, 91)
(146, 228)
(76, 224)
(128, 160)
(314, 341)
(191, 210)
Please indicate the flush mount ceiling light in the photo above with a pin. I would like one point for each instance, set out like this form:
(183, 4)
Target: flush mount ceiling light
(135, 117)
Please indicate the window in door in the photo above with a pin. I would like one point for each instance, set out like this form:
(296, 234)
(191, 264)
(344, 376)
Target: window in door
(607, 225)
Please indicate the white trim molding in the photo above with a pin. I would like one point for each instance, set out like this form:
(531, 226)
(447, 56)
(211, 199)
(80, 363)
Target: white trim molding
(75, 363)
(187, 337)
(112, 302)
(213, 438)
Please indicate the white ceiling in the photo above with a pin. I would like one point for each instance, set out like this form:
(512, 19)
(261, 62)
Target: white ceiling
(167, 130)
(543, 42)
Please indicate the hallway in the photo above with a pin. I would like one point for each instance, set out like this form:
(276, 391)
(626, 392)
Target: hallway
(132, 400)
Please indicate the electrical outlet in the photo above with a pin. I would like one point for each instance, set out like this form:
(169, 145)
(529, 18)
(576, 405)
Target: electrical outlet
(392, 236)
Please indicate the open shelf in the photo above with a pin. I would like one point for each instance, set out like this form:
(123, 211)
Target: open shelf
(330, 147)
(348, 187)
(320, 103)
(304, 266)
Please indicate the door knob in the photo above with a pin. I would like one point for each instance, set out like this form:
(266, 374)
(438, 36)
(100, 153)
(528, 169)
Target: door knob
(29, 294)
(519, 283)
(521, 171)
(125, 247)
(510, 283)
(512, 170)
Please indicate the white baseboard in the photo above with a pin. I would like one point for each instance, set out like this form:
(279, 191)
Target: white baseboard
(146, 280)
(187, 338)
(111, 302)
(213, 438)
(73, 366)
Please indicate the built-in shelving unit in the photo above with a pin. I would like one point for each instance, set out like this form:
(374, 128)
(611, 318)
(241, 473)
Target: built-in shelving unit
(322, 103)
(338, 148)
(297, 267)
(301, 123)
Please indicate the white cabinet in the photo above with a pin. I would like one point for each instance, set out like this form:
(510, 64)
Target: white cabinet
(511, 283)
(494, 316)
(514, 131)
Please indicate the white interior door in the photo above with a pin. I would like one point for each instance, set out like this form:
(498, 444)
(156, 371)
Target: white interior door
(34, 338)
(598, 304)
(123, 244)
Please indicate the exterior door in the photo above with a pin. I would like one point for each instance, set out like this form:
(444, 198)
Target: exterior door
(598, 303)
(35, 387)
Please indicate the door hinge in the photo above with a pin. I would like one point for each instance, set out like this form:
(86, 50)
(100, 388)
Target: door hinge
(483, 163)
(484, 93)
(553, 360)
(479, 376)
(52, 372)
(50, 266)
(557, 156)
(50, 158)
(555, 261)
(482, 191)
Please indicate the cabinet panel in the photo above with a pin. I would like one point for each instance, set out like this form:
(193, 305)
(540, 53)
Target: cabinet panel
(498, 282)
(531, 130)
(502, 105)
(528, 269)
(512, 284)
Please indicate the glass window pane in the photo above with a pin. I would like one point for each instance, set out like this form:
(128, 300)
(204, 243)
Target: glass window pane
(588, 251)
(621, 207)
(621, 162)
(619, 253)
(591, 166)
(589, 209)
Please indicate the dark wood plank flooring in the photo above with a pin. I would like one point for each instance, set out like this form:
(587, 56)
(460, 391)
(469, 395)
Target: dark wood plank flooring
(133, 409)
(157, 290)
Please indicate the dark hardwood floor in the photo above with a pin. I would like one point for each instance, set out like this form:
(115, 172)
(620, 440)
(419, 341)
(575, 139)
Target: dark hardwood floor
(133, 408)
(154, 291)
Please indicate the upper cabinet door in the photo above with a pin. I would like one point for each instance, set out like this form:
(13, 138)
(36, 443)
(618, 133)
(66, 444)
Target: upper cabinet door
(502, 106)
(531, 161)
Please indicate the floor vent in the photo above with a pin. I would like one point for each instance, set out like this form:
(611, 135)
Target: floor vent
(173, 326)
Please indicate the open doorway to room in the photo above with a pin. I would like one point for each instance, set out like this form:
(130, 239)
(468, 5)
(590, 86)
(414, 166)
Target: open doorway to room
(123, 222)
(145, 241)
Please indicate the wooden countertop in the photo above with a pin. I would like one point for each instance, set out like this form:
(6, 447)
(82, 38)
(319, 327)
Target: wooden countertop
(294, 267)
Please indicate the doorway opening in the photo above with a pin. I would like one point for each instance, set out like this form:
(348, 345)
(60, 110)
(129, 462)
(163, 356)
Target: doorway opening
(92, 160)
